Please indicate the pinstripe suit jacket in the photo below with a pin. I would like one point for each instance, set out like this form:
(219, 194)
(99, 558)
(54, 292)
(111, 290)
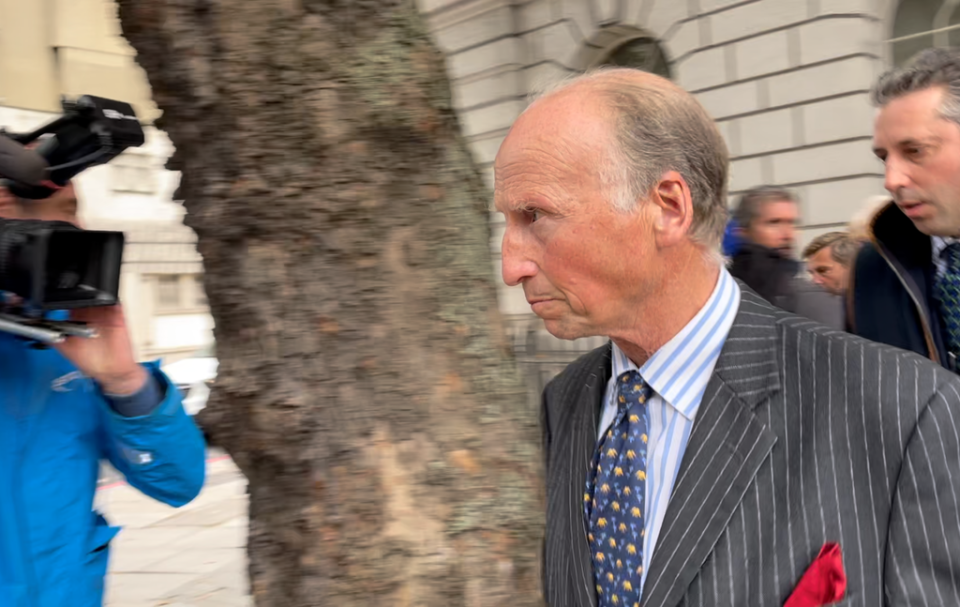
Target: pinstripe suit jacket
(804, 436)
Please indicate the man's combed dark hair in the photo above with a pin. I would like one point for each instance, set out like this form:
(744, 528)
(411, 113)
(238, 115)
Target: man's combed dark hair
(934, 67)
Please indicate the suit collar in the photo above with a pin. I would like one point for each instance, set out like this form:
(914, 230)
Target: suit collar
(580, 414)
(748, 361)
(727, 445)
(596, 386)
(680, 369)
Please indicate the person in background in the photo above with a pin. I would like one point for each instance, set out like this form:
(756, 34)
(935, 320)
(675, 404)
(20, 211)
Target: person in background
(906, 280)
(62, 411)
(766, 219)
(829, 258)
(731, 240)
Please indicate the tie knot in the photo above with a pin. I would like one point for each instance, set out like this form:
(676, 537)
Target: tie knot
(951, 253)
(631, 390)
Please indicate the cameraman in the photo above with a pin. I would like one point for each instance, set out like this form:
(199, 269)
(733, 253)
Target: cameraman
(62, 411)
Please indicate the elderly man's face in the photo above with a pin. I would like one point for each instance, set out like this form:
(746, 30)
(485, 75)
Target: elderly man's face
(583, 265)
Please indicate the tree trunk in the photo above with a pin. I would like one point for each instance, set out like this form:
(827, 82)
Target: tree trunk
(366, 388)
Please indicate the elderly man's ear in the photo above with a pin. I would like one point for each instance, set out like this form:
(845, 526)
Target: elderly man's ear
(674, 209)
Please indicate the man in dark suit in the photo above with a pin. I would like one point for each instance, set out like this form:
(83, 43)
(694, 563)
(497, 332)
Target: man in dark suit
(905, 289)
(718, 451)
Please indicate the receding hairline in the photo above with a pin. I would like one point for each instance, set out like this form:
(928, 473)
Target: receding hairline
(563, 139)
(656, 126)
(603, 80)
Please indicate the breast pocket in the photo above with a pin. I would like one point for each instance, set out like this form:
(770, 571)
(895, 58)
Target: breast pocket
(846, 602)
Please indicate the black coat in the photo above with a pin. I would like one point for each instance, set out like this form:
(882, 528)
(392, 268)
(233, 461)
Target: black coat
(766, 272)
(774, 278)
(891, 291)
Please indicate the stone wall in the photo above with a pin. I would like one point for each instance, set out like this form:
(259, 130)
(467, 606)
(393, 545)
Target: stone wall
(786, 80)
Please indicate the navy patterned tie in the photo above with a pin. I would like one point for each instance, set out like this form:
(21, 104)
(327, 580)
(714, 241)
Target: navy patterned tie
(948, 294)
(614, 500)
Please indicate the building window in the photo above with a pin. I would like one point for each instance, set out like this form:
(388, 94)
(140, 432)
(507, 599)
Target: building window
(922, 24)
(642, 54)
(199, 294)
(133, 173)
(180, 293)
(168, 291)
(624, 46)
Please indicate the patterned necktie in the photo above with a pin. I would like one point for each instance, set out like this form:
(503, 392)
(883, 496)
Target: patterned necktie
(948, 294)
(614, 500)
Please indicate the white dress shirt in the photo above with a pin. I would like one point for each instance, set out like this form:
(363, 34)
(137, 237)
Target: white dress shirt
(678, 374)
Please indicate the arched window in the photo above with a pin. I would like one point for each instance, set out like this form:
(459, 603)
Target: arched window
(921, 24)
(641, 53)
(624, 46)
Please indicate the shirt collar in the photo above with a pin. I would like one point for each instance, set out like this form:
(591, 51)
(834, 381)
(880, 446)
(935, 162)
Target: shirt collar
(940, 243)
(680, 370)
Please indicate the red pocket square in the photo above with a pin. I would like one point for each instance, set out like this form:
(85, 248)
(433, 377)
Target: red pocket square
(824, 581)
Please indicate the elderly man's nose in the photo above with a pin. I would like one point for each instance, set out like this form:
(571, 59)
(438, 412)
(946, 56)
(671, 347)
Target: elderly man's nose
(516, 264)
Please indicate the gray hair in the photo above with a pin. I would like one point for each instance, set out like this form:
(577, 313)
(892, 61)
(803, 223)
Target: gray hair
(930, 68)
(843, 248)
(751, 201)
(660, 128)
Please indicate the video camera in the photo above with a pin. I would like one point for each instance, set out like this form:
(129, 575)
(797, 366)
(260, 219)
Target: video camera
(53, 265)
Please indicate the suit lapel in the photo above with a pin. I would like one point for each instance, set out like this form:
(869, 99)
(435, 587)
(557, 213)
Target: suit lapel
(725, 450)
(583, 408)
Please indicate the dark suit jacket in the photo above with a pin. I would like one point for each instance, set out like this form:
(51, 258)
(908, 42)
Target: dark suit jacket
(805, 435)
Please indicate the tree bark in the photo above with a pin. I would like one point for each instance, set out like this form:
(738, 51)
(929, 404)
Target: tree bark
(365, 388)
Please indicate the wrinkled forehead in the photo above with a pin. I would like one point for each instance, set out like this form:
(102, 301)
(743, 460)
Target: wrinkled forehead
(555, 139)
(548, 167)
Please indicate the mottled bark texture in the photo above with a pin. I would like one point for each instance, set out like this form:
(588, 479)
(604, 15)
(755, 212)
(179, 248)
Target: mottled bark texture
(366, 388)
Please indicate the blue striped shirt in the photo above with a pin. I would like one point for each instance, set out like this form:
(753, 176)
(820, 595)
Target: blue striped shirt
(678, 373)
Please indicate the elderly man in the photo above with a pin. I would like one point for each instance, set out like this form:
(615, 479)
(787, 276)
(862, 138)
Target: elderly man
(719, 451)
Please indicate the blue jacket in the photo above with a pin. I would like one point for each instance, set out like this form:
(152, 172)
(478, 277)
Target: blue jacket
(55, 427)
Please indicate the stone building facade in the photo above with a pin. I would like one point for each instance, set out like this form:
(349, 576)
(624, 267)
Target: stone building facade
(786, 80)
